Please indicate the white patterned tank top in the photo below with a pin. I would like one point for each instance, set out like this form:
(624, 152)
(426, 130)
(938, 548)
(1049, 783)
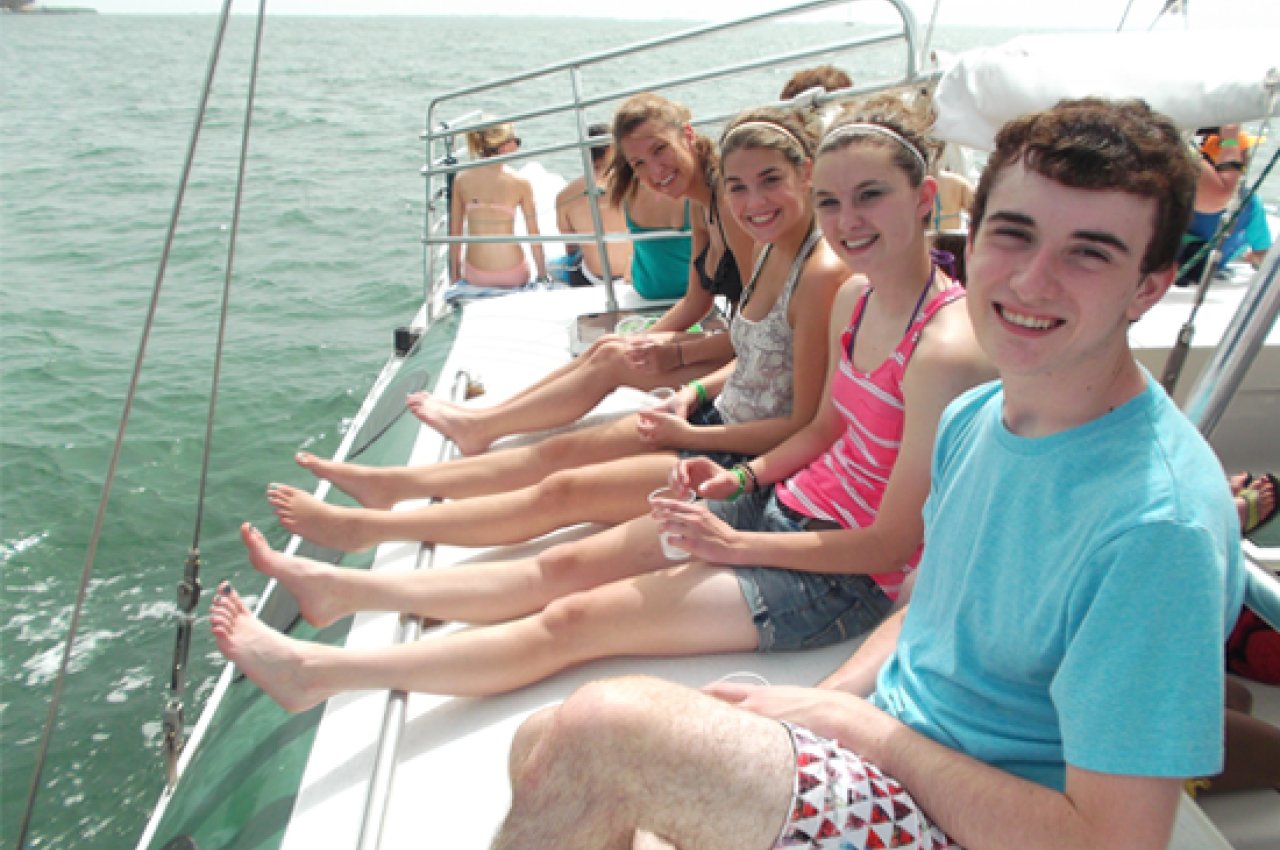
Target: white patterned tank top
(761, 386)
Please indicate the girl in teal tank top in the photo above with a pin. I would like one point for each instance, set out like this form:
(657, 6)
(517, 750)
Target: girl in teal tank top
(660, 267)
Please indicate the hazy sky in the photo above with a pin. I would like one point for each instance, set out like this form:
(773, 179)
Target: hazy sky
(1015, 13)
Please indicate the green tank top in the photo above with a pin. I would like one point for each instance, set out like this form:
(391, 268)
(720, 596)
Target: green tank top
(660, 267)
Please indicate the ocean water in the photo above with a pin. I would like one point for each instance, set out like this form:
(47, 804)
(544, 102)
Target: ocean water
(96, 114)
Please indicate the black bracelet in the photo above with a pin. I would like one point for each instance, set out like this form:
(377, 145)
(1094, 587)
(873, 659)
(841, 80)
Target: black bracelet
(680, 354)
(755, 482)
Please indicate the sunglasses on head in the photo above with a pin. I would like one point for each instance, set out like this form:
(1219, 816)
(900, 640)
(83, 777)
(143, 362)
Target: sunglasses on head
(490, 151)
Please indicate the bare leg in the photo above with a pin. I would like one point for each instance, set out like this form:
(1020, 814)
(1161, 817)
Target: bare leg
(642, 756)
(607, 493)
(687, 610)
(563, 397)
(497, 472)
(487, 592)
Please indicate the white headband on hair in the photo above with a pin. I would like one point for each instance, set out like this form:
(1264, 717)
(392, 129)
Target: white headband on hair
(772, 126)
(876, 129)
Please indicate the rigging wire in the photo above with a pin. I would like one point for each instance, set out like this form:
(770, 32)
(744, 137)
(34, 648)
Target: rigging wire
(1125, 16)
(25, 826)
(189, 586)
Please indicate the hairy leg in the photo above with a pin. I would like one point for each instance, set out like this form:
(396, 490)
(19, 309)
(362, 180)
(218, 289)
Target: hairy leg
(496, 472)
(688, 610)
(633, 756)
(483, 593)
(607, 493)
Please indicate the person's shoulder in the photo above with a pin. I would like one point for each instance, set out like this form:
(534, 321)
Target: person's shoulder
(823, 265)
(572, 190)
(847, 297)
(524, 182)
(948, 344)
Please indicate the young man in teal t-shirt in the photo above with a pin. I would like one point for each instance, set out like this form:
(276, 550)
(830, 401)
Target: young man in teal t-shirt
(1059, 672)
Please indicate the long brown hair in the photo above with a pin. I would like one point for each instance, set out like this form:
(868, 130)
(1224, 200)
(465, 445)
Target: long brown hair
(667, 114)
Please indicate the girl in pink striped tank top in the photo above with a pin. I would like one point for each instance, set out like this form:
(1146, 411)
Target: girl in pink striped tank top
(850, 486)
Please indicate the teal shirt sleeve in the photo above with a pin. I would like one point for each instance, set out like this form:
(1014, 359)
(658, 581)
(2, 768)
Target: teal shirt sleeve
(1140, 688)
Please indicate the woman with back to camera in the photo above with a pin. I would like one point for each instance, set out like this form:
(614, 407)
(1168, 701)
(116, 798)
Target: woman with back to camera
(486, 199)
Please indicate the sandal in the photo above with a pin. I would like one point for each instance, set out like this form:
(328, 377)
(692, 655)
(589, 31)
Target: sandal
(1254, 518)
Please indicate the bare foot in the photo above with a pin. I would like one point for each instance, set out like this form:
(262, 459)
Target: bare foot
(365, 484)
(457, 423)
(1265, 498)
(311, 583)
(1239, 482)
(337, 527)
(274, 662)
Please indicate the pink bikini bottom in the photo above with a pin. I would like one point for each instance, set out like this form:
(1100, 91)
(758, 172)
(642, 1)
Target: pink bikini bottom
(517, 275)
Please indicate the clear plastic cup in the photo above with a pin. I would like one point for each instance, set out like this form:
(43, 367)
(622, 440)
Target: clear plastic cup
(658, 398)
(673, 553)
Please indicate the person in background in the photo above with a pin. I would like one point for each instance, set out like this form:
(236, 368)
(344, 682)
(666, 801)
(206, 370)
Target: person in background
(828, 78)
(955, 197)
(1030, 695)
(573, 215)
(485, 200)
(1224, 155)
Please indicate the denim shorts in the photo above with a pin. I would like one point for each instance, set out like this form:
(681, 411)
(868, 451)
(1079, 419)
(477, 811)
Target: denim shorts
(702, 416)
(793, 609)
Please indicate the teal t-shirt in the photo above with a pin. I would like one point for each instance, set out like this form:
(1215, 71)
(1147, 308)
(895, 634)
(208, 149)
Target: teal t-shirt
(1074, 595)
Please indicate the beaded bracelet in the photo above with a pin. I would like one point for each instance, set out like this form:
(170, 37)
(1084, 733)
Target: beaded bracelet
(701, 391)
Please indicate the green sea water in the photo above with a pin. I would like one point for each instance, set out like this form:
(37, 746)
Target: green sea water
(96, 114)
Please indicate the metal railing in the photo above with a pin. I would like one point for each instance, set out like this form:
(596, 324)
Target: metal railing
(440, 136)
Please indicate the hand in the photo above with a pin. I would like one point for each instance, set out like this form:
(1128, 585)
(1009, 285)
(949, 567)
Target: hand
(660, 427)
(693, 528)
(685, 402)
(706, 478)
(696, 473)
(834, 715)
(642, 353)
(652, 353)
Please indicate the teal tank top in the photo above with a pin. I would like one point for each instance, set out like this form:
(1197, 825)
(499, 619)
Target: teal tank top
(660, 267)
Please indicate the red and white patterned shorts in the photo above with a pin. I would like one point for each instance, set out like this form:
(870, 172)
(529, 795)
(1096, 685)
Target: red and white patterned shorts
(842, 802)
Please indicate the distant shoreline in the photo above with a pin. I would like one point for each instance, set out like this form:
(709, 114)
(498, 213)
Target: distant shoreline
(52, 10)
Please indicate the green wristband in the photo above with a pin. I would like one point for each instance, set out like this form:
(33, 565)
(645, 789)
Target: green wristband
(701, 391)
(1229, 143)
(742, 483)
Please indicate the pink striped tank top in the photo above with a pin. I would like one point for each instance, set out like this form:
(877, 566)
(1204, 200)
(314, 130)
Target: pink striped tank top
(845, 485)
